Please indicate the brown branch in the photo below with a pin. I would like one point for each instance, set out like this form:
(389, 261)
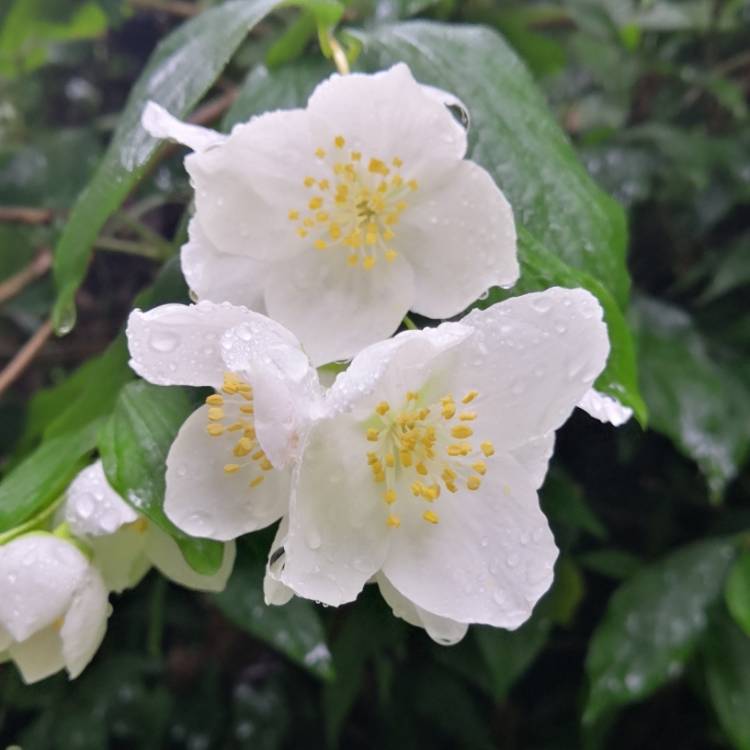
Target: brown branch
(25, 355)
(26, 214)
(173, 7)
(214, 109)
(16, 283)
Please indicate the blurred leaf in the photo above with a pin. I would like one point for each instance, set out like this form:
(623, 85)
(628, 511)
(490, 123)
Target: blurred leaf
(726, 652)
(730, 271)
(737, 591)
(564, 504)
(292, 43)
(133, 446)
(294, 629)
(515, 137)
(30, 27)
(692, 397)
(180, 71)
(613, 563)
(561, 602)
(44, 474)
(652, 626)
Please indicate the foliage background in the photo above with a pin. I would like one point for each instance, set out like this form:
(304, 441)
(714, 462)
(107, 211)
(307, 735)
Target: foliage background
(643, 641)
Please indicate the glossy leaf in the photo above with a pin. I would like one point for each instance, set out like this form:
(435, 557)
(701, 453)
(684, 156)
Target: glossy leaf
(737, 591)
(693, 398)
(515, 137)
(294, 629)
(134, 446)
(652, 626)
(180, 71)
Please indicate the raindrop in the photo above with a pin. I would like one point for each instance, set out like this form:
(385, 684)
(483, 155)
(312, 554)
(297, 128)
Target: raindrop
(164, 341)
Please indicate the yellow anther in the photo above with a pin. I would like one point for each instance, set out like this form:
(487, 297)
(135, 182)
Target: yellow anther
(258, 455)
(469, 397)
(390, 460)
(473, 483)
(247, 409)
(352, 260)
(215, 413)
(467, 416)
(293, 215)
(390, 496)
(309, 181)
(215, 400)
(449, 410)
(406, 458)
(320, 153)
(243, 447)
(413, 184)
(462, 431)
(480, 467)
(257, 480)
(391, 219)
(448, 475)
(309, 223)
(487, 448)
(324, 184)
(214, 430)
(249, 433)
(339, 141)
(382, 408)
(393, 521)
(356, 155)
(390, 255)
(459, 449)
(302, 232)
(231, 468)
(372, 458)
(322, 217)
(266, 465)
(421, 469)
(368, 262)
(376, 166)
(235, 426)
(412, 395)
(335, 231)
(373, 434)
(315, 203)
(371, 238)
(397, 162)
(388, 235)
(451, 487)
(430, 516)
(397, 181)
(321, 244)
(401, 206)
(140, 526)
(416, 488)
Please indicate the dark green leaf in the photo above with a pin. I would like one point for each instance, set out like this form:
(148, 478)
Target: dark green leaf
(652, 626)
(613, 563)
(737, 591)
(180, 71)
(515, 137)
(294, 629)
(692, 397)
(727, 662)
(134, 446)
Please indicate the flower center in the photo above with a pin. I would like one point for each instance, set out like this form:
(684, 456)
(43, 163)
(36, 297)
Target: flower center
(356, 205)
(230, 417)
(427, 444)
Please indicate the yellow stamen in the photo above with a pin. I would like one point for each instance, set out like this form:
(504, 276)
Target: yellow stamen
(430, 516)
(231, 468)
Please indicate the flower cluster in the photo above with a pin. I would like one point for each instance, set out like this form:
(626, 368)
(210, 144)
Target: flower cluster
(315, 231)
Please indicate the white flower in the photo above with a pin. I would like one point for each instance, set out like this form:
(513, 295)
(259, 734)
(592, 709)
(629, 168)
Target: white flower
(339, 218)
(229, 468)
(53, 606)
(424, 472)
(126, 544)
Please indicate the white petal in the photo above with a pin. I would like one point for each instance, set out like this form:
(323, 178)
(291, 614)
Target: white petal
(458, 109)
(167, 558)
(39, 574)
(85, 624)
(532, 359)
(387, 115)
(121, 557)
(274, 591)
(459, 236)
(488, 560)
(605, 408)
(92, 507)
(160, 124)
(205, 501)
(534, 456)
(38, 656)
(180, 344)
(222, 277)
(245, 188)
(337, 532)
(442, 630)
(286, 390)
(336, 310)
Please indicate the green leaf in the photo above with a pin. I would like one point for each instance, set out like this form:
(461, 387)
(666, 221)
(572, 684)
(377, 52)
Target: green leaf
(693, 398)
(44, 474)
(294, 629)
(133, 446)
(515, 137)
(613, 563)
(652, 626)
(726, 653)
(737, 591)
(180, 71)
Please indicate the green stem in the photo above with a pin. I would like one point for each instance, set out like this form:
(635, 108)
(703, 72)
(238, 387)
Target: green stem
(410, 324)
